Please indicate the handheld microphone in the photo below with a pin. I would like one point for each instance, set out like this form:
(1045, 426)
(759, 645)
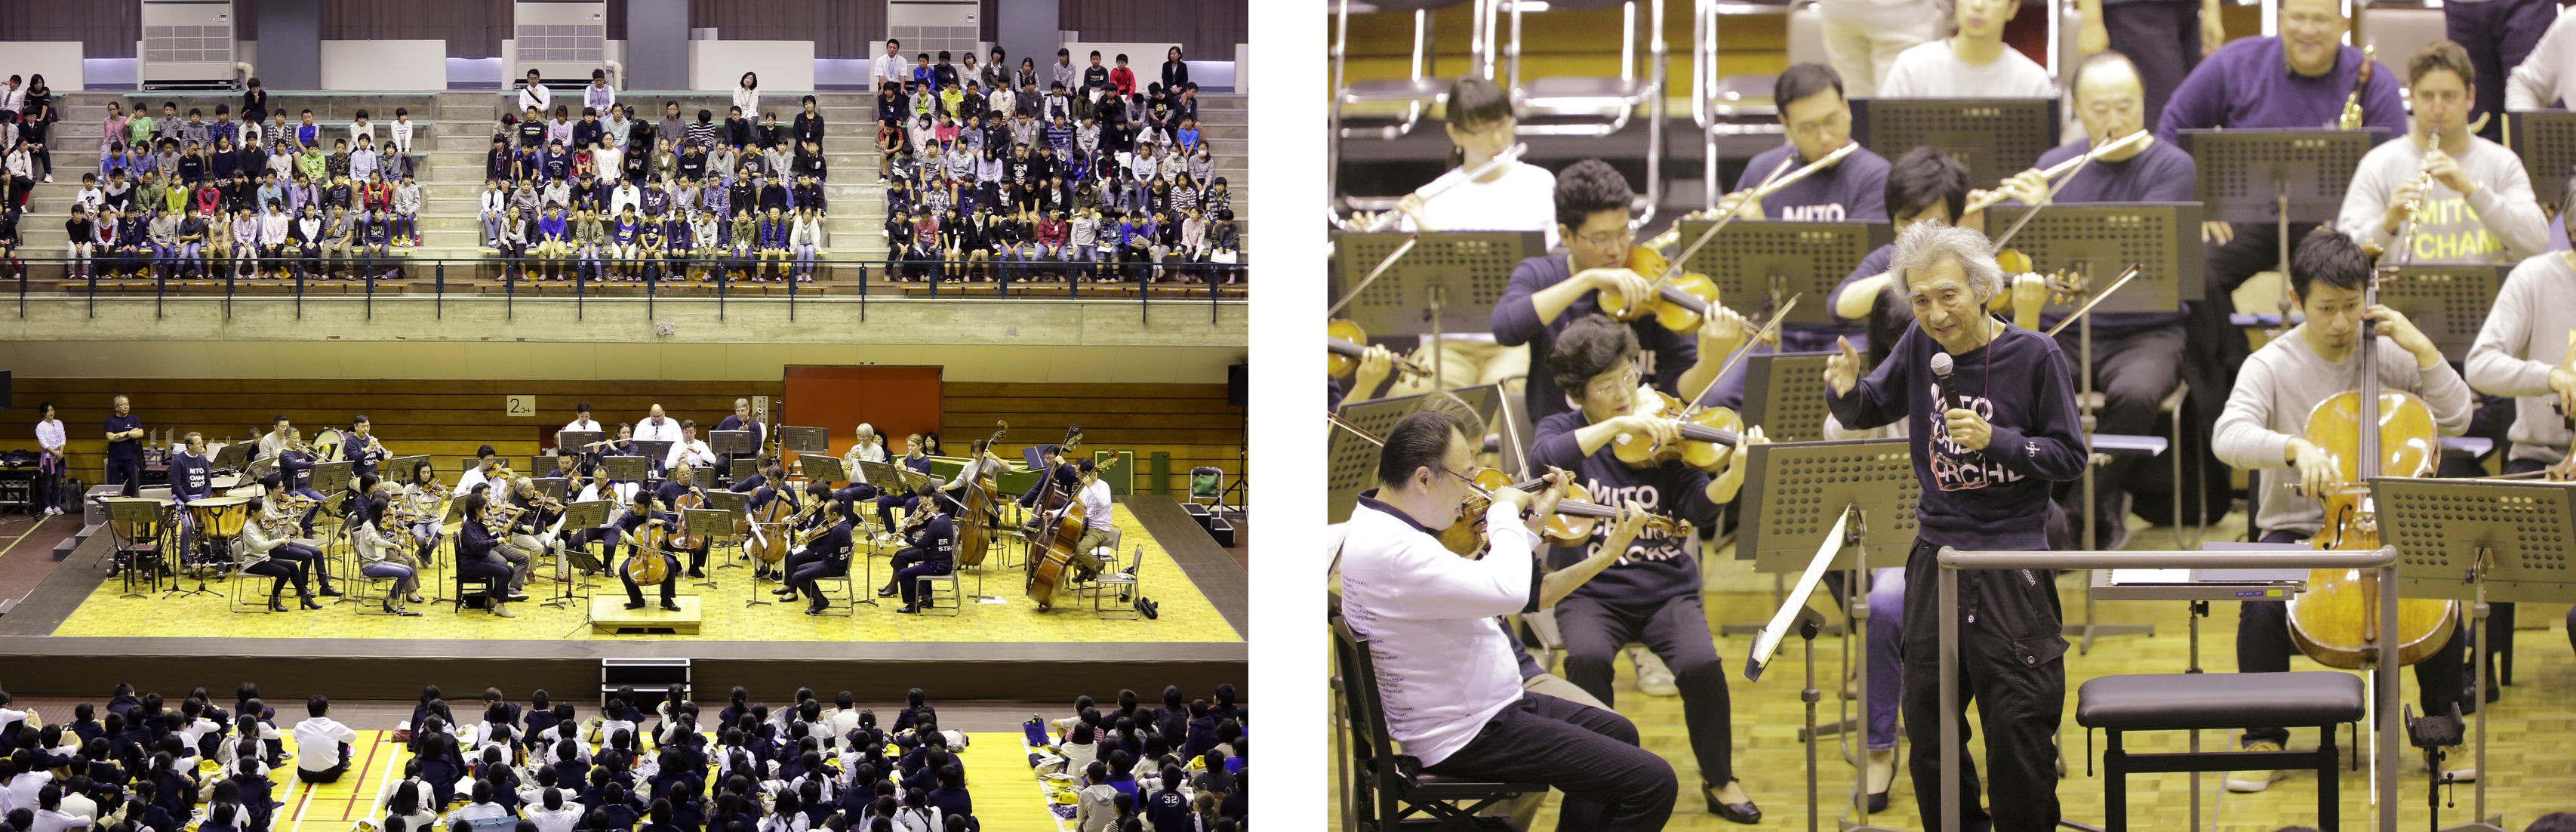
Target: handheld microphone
(1941, 365)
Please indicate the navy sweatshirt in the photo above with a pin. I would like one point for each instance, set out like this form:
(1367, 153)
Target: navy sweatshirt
(1853, 191)
(1656, 568)
(1516, 322)
(2025, 393)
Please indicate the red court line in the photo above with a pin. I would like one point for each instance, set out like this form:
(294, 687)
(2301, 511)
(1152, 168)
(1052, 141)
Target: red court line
(361, 785)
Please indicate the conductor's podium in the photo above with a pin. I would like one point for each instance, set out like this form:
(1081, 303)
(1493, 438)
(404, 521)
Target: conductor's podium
(608, 614)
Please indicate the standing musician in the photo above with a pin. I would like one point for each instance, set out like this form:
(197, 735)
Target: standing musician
(2266, 416)
(689, 452)
(741, 420)
(1652, 593)
(125, 447)
(682, 482)
(265, 551)
(191, 479)
(1452, 689)
(362, 450)
(1548, 292)
(827, 556)
(480, 553)
(581, 420)
(383, 556)
(932, 550)
(2469, 197)
(632, 527)
(618, 494)
(1986, 445)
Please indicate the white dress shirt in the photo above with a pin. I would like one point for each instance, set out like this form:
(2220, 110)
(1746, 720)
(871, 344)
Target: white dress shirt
(884, 68)
(582, 424)
(536, 95)
(472, 477)
(1442, 666)
(317, 742)
(667, 430)
(694, 452)
(1095, 505)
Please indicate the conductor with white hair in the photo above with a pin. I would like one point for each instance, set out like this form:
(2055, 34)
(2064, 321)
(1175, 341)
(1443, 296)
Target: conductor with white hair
(1992, 425)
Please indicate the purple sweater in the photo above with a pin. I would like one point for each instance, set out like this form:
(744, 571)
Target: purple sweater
(2025, 393)
(1853, 191)
(1516, 322)
(2249, 84)
(1656, 568)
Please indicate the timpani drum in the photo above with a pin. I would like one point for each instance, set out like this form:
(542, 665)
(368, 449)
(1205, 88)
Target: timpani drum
(221, 517)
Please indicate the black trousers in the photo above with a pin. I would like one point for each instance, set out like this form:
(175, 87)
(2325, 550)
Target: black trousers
(2011, 665)
(2263, 646)
(908, 556)
(670, 581)
(2162, 37)
(127, 472)
(1590, 754)
(328, 775)
(1677, 631)
(283, 571)
(2498, 34)
(2133, 371)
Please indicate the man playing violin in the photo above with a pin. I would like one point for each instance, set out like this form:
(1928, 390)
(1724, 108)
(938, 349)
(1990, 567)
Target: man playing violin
(1986, 444)
(1549, 292)
(1449, 675)
(2264, 426)
(1652, 593)
(930, 547)
(2527, 351)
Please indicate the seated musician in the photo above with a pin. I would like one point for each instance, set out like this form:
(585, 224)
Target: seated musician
(275, 440)
(761, 485)
(2267, 415)
(1547, 293)
(1052, 468)
(487, 467)
(931, 550)
(1453, 696)
(690, 451)
(642, 513)
(1973, 62)
(427, 500)
(894, 494)
(1516, 196)
(827, 556)
(827, 503)
(2020, 403)
(1652, 593)
(741, 420)
(362, 450)
(481, 553)
(534, 530)
(683, 483)
(386, 556)
(581, 420)
(1819, 122)
(191, 479)
(618, 495)
(2527, 351)
(2469, 197)
(867, 446)
(1093, 492)
(266, 552)
(621, 444)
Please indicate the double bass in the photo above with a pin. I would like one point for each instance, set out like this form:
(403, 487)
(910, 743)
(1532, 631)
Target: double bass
(975, 522)
(1057, 535)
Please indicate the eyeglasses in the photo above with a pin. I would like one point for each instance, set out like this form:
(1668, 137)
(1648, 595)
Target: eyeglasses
(1620, 237)
(1626, 381)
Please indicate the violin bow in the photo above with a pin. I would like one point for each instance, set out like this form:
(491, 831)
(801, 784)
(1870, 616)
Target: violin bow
(1768, 327)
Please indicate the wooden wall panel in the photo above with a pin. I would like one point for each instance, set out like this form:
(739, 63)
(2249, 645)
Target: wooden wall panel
(106, 30)
(1205, 31)
(472, 28)
(838, 29)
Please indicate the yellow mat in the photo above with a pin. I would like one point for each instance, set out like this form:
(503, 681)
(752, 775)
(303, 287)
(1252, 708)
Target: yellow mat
(1006, 795)
(1185, 615)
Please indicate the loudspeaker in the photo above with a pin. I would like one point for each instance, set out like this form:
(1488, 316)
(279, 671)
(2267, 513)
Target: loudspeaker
(4, 391)
(1238, 386)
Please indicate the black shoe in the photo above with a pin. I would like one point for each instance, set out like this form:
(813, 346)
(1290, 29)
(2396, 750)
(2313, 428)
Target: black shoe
(308, 603)
(887, 592)
(1878, 803)
(909, 609)
(697, 574)
(275, 605)
(673, 606)
(328, 592)
(1745, 812)
(816, 610)
(634, 605)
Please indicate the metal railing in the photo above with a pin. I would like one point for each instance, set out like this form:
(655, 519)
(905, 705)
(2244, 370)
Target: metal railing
(613, 279)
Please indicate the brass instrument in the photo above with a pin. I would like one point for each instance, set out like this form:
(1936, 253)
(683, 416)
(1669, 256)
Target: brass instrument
(2351, 119)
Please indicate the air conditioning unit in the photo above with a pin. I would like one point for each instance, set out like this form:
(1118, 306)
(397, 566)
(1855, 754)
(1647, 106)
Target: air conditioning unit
(563, 40)
(187, 44)
(935, 26)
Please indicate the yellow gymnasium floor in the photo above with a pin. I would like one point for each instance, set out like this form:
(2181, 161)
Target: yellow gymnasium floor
(1007, 797)
(1185, 614)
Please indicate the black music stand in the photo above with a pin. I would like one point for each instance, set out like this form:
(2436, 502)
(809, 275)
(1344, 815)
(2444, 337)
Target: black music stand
(1828, 506)
(455, 514)
(398, 469)
(1770, 261)
(883, 476)
(259, 468)
(626, 468)
(739, 469)
(233, 456)
(142, 519)
(577, 442)
(821, 468)
(2476, 541)
(1785, 394)
(2279, 176)
(2100, 242)
(731, 442)
(737, 505)
(1994, 137)
(804, 440)
(711, 525)
(553, 488)
(332, 478)
(2449, 303)
(1446, 282)
(579, 516)
(657, 450)
(2546, 141)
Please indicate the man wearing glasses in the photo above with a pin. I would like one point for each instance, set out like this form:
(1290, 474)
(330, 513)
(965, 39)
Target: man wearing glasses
(1548, 292)
(1651, 593)
(1987, 443)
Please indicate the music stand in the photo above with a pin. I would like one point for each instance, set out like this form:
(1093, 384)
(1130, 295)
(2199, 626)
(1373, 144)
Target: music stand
(133, 520)
(731, 442)
(2476, 540)
(552, 488)
(2449, 303)
(711, 524)
(579, 516)
(2546, 141)
(577, 442)
(804, 440)
(2279, 176)
(1446, 282)
(1828, 506)
(398, 469)
(823, 468)
(912, 480)
(1773, 260)
(882, 475)
(233, 456)
(455, 514)
(259, 468)
(332, 477)
(1994, 137)
(1785, 394)
(625, 468)
(739, 469)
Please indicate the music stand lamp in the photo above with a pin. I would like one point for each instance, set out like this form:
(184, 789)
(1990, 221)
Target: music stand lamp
(2476, 541)
(713, 525)
(1426, 283)
(578, 516)
(1993, 137)
(2102, 241)
(2278, 176)
(1829, 506)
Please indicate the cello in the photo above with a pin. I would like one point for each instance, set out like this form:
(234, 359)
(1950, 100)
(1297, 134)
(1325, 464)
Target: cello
(767, 535)
(975, 521)
(1059, 534)
(2368, 432)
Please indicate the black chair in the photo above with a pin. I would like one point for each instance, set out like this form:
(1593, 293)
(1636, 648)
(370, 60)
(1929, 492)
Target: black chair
(2217, 701)
(1388, 787)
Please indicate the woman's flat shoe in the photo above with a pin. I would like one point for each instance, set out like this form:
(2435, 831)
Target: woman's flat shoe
(1745, 812)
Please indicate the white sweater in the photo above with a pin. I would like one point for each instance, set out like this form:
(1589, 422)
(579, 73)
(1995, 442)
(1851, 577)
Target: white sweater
(2498, 222)
(2533, 321)
(2540, 81)
(2282, 382)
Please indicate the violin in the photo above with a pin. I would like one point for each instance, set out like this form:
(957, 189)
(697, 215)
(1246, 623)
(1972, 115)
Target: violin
(1576, 517)
(2368, 432)
(1707, 434)
(1345, 343)
(1681, 300)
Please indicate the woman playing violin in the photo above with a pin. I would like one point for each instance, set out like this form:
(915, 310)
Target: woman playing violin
(1652, 593)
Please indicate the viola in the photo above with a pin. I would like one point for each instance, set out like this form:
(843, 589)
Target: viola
(1681, 301)
(1706, 434)
(1574, 522)
(1345, 343)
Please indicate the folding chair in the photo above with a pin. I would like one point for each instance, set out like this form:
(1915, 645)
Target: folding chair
(1387, 788)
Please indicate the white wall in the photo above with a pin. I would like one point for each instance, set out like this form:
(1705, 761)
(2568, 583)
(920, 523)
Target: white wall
(59, 61)
(783, 65)
(384, 64)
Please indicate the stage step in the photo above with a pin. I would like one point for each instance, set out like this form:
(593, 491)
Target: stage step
(608, 614)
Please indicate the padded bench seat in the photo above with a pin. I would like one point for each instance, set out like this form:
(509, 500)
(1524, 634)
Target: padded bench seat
(2218, 701)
